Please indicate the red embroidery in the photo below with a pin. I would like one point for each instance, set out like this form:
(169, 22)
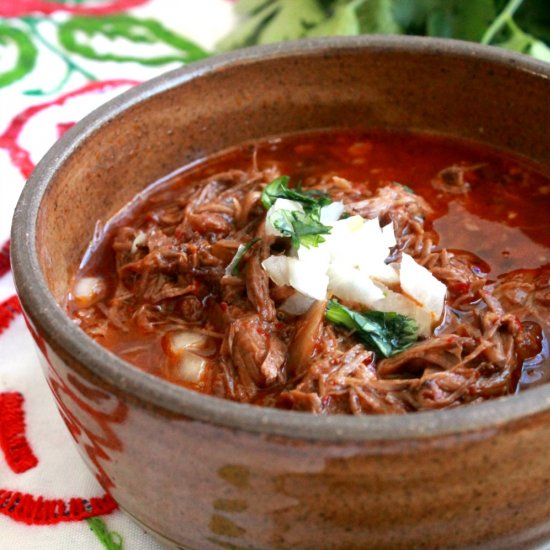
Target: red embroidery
(11, 8)
(33, 510)
(13, 441)
(20, 157)
(5, 264)
(9, 309)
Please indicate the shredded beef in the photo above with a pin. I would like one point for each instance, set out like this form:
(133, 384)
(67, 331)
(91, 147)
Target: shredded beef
(171, 273)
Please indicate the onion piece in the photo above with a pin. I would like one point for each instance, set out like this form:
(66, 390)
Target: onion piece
(277, 269)
(189, 367)
(398, 303)
(331, 212)
(177, 343)
(297, 304)
(140, 240)
(421, 285)
(306, 278)
(89, 290)
(350, 284)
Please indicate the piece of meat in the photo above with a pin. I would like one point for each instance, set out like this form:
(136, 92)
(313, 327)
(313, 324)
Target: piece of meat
(257, 288)
(306, 338)
(257, 354)
(443, 352)
(453, 179)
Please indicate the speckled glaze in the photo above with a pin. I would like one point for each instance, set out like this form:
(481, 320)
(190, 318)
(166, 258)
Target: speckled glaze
(205, 473)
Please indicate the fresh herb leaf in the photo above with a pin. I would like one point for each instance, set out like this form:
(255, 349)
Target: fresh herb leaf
(233, 266)
(292, 19)
(376, 17)
(302, 227)
(246, 33)
(246, 7)
(278, 189)
(412, 15)
(343, 22)
(463, 19)
(385, 333)
(519, 25)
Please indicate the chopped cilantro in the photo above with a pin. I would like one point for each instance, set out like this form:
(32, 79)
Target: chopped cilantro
(279, 189)
(385, 333)
(304, 228)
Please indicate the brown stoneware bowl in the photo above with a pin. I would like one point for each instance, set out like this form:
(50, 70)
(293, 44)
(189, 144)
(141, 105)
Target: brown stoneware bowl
(205, 473)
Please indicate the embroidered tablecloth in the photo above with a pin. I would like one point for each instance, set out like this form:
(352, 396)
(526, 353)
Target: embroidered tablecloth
(60, 59)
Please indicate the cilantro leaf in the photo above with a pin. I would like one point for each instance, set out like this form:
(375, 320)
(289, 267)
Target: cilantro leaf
(519, 25)
(464, 19)
(376, 17)
(233, 266)
(278, 189)
(292, 20)
(302, 227)
(385, 333)
(343, 22)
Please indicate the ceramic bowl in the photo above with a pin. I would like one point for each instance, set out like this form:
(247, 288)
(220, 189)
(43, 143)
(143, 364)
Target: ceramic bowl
(205, 473)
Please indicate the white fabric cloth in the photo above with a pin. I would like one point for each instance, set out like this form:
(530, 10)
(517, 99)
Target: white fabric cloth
(60, 473)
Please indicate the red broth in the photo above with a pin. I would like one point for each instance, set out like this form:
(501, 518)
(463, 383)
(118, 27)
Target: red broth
(500, 217)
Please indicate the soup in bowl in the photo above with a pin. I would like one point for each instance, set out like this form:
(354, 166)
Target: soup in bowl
(326, 246)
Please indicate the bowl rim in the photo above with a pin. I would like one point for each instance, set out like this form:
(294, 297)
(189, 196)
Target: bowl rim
(55, 325)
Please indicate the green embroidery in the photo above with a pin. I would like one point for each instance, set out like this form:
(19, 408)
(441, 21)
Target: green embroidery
(76, 34)
(72, 67)
(110, 539)
(26, 54)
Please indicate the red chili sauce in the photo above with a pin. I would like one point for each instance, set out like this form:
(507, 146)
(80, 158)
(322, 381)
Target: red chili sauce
(491, 204)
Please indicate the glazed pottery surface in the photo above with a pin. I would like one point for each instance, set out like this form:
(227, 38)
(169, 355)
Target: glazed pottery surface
(203, 473)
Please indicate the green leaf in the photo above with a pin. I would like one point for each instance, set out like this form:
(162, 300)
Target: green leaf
(233, 266)
(247, 31)
(517, 42)
(25, 59)
(376, 17)
(463, 19)
(302, 227)
(540, 50)
(411, 15)
(279, 189)
(385, 333)
(343, 22)
(291, 21)
(77, 33)
(249, 7)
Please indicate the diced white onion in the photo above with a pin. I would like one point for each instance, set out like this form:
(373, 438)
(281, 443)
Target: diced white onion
(317, 256)
(421, 285)
(181, 341)
(331, 212)
(190, 367)
(140, 239)
(399, 303)
(380, 271)
(352, 285)
(297, 304)
(88, 290)
(277, 269)
(307, 279)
